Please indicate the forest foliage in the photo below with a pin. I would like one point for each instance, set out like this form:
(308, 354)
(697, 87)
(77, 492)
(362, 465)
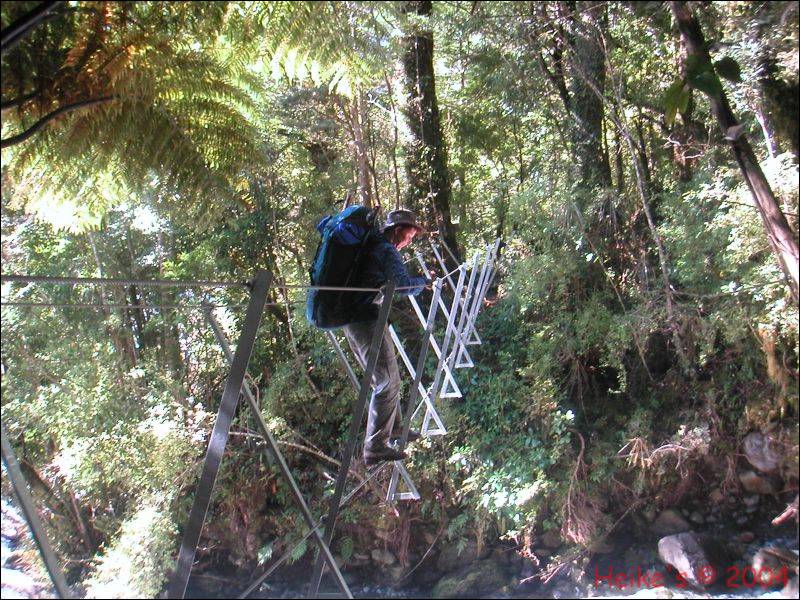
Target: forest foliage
(640, 301)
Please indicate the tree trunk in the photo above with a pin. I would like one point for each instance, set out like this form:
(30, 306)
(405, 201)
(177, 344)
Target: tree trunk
(357, 119)
(682, 133)
(587, 62)
(426, 161)
(171, 334)
(778, 100)
(780, 235)
(395, 140)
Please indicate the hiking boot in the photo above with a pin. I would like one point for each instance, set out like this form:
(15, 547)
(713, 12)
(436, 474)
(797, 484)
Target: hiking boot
(413, 436)
(381, 454)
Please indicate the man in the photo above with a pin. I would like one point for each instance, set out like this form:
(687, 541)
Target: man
(381, 263)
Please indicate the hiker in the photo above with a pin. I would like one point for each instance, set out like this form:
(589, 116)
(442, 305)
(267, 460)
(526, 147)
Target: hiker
(381, 263)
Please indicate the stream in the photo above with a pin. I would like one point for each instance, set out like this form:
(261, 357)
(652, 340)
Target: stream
(22, 576)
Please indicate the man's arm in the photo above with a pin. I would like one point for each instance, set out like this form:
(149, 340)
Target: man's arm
(396, 271)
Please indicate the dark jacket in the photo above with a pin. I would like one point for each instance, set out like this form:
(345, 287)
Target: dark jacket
(381, 262)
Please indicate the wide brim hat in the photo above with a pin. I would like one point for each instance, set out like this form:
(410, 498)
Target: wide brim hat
(403, 217)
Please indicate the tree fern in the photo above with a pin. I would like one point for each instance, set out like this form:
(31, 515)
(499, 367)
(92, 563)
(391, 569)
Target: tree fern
(179, 112)
(340, 44)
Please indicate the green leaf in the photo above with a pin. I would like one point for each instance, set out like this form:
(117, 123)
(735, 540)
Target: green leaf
(346, 548)
(265, 553)
(707, 82)
(683, 101)
(729, 69)
(671, 100)
(695, 65)
(298, 552)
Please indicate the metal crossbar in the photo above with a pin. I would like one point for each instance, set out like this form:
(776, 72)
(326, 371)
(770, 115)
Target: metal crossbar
(279, 459)
(448, 376)
(28, 508)
(448, 334)
(219, 435)
(355, 425)
(416, 387)
(421, 390)
(457, 292)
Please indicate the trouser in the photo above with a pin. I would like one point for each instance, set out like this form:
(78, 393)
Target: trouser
(384, 407)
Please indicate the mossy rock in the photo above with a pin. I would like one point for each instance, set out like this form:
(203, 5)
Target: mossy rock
(477, 579)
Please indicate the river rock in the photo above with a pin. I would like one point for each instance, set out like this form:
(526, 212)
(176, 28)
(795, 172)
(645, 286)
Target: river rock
(502, 555)
(746, 537)
(358, 560)
(473, 581)
(601, 547)
(551, 539)
(383, 557)
(697, 518)
(396, 572)
(751, 501)
(755, 484)
(566, 589)
(792, 588)
(639, 555)
(716, 496)
(685, 554)
(762, 452)
(669, 522)
(452, 558)
(772, 561)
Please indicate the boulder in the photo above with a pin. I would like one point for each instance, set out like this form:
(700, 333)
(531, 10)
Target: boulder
(755, 484)
(473, 581)
(762, 452)
(669, 522)
(451, 558)
(684, 552)
(383, 557)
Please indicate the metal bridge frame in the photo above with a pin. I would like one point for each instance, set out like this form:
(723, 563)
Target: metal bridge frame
(466, 304)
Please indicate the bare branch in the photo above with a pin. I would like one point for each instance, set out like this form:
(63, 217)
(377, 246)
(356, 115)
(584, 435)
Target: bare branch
(18, 101)
(21, 137)
(12, 34)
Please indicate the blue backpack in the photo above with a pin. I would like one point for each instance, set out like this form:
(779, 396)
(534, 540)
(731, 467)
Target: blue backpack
(344, 237)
